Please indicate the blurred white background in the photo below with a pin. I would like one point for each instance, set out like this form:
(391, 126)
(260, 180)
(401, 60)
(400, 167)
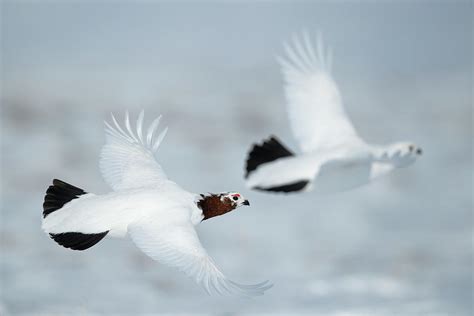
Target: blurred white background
(400, 246)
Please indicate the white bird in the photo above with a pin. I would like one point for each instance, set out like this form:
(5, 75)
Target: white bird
(333, 157)
(158, 214)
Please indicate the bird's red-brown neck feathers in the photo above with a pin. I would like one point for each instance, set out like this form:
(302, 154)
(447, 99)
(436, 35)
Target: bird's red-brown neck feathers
(215, 205)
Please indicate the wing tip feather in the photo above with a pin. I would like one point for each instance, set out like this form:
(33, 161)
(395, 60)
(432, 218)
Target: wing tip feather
(300, 55)
(127, 134)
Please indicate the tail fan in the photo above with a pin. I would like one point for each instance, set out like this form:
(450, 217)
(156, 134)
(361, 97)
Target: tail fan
(271, 150)
(59, 194)
(56, 196)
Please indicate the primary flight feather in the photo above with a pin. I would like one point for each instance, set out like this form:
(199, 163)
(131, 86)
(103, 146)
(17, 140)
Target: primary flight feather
(333, 157)
(159, 215)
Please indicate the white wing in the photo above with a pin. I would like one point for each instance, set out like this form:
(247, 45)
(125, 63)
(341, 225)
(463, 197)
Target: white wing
(314, 105)
(177, 245)
(127, 158)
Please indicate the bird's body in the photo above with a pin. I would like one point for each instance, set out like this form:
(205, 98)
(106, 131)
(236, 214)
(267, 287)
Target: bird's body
(327, 171)
(114, 211)
(157, 214)
(333, 157)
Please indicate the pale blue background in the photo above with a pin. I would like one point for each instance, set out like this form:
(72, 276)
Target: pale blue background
(400, 246)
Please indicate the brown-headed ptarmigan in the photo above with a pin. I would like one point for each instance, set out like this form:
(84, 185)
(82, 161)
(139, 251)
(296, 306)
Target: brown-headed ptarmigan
(154, 211)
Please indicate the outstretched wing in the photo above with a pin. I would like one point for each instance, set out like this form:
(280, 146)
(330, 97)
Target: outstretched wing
(127, 158)
(314, 104)
(177, 245)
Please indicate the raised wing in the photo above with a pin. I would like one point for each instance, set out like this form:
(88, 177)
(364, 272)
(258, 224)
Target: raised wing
(314, 105)
(127, 159)
(177, 245)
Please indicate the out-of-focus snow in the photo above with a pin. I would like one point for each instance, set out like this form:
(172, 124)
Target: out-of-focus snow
(399, 246)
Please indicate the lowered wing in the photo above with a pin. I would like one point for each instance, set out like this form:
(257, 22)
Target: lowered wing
(177, 245)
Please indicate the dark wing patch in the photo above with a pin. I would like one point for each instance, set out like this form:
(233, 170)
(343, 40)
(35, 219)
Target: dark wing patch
(59, 194)
(271, 150)
(291, 187)
(78, 241)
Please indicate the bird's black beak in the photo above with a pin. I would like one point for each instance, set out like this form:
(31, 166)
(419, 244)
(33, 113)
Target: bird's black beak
(246, 202)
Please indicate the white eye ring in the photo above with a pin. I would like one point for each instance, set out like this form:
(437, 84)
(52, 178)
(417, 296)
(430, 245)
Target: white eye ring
(235, 198)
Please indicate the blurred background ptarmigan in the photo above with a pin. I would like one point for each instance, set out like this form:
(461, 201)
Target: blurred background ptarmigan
(157, 213)
(333, 157)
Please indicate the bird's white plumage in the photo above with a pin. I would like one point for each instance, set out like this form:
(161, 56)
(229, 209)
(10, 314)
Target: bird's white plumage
(127, 159)
(178, 246)
(157, 213)
(334, 158)
(314, 104)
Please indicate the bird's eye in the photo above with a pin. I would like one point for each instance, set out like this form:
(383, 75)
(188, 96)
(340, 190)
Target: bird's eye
(235, 198)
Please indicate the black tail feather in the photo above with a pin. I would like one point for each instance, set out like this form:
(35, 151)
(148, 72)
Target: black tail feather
(286, 188)
(78, 241)
(271, 149)
(59, 194)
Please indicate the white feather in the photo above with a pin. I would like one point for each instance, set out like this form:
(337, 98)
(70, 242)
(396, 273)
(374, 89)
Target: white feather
(139, 126)
(129, 129)
(119, 129)
(159, 139)
(151, 131)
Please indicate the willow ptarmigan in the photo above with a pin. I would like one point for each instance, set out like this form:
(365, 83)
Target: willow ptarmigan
(334, 158)
(158, 214)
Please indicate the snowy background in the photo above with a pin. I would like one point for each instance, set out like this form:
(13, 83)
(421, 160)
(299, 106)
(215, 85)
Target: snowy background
(400, 246)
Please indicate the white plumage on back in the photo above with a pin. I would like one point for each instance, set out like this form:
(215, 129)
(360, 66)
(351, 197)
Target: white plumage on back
(314, 104)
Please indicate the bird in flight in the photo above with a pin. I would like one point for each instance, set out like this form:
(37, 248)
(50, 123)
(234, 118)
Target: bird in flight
(154, 211)
(333, 156)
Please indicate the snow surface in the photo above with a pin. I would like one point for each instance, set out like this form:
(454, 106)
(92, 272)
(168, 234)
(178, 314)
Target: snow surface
(399, 246)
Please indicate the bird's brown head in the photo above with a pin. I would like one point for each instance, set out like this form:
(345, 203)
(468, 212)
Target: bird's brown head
(219, 204)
